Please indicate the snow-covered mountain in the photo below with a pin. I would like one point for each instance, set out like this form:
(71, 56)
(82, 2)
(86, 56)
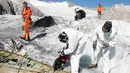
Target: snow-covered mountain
(117, 11)
(59, 9)
(45, 44)
(15, 7)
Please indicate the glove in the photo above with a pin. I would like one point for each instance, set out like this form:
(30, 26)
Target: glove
(105, 45)
(94, 44)
(62, 53)
(23, 19)
(65, 47)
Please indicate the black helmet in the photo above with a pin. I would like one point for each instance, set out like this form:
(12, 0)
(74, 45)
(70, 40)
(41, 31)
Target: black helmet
(63, 37)
(80, 14)
(25, 3)
(107, 25)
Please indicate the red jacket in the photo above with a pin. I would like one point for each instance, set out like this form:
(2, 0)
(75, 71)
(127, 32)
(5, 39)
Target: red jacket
(99, 8)
(26, 13)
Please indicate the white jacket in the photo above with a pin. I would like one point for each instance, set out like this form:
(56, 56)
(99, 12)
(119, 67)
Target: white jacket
(103, 38)
(76, 41)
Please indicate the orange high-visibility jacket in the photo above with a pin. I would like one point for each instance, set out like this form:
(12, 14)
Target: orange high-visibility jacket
(26, 13)
(99, 8)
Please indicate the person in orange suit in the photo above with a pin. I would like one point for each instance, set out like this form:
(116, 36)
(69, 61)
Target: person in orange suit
(26, 16)
(99, 10)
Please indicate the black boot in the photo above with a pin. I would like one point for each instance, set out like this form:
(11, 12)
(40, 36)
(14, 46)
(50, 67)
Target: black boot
(92, 65)
(22, 38)
(79, 70)
(96, 66)
(29, 38)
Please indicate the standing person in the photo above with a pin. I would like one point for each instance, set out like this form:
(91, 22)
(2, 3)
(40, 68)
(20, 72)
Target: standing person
(104, 45)
(76, 41)
(26, 16)
(99, 10)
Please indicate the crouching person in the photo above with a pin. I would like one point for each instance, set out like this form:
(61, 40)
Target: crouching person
(104, 42)
(76, 41)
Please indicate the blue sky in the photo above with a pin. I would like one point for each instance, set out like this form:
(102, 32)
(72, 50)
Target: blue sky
(93, 3)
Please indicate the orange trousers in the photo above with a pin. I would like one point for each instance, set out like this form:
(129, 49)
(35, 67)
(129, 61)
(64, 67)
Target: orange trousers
(26, 33)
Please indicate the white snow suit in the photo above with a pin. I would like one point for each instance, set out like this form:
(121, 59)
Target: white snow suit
(108, 52)
(76, 41)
